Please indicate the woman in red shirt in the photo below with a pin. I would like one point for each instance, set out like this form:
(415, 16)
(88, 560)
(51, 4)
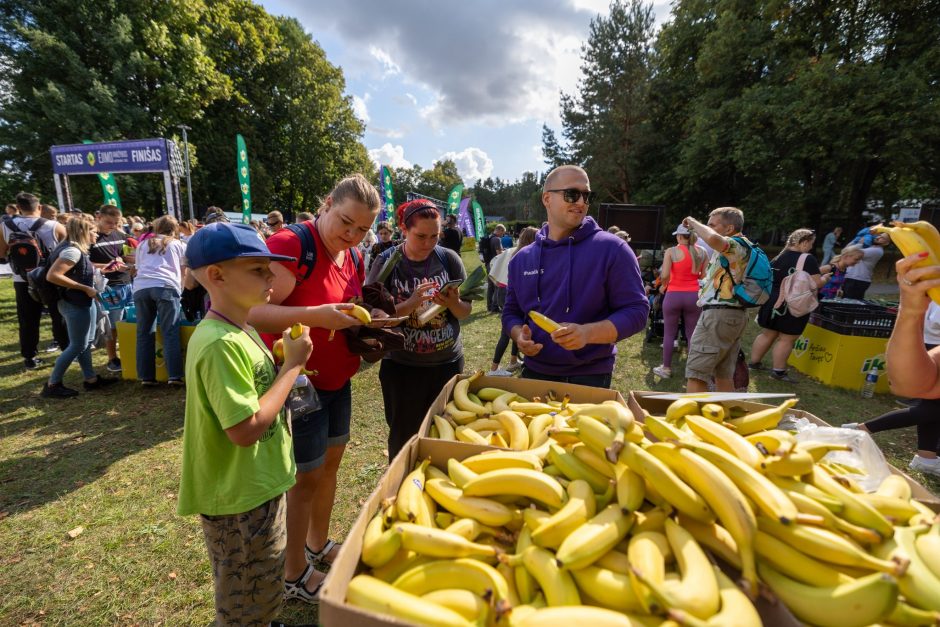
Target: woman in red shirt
(319, 301)
(683, 266)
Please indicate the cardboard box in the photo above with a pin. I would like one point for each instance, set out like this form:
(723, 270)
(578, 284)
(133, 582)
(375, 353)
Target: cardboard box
(528, 388)
(918, 491)
(335, 612)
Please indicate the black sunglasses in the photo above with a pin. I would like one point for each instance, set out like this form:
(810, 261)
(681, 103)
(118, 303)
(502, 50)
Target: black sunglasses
(572, 195)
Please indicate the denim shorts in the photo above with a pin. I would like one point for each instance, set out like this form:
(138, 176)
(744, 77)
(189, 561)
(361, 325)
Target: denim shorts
(323, 428)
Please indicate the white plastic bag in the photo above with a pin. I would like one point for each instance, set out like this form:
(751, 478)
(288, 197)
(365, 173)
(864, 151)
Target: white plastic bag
(865, 454)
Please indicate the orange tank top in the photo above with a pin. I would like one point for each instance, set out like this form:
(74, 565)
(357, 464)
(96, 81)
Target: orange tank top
(682, 277)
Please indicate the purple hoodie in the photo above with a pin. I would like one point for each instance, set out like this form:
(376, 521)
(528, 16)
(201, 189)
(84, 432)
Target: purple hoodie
(590, 276)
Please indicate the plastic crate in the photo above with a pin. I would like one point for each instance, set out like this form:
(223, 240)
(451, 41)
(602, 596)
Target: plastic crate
(868, 320)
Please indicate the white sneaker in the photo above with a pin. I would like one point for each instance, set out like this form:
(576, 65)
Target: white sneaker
(499, 373)
(925, 465)
(662, 371)
(675, 344)
(849, 425)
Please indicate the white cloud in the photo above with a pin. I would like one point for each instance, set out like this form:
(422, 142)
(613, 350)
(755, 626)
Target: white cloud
(412, 98)
(391, 133)
(473, 164)
(360, 108)
(390, 155)
(389, 67)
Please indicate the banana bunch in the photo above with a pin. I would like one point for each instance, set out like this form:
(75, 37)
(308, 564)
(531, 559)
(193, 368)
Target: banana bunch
(495, 417)
(916, 237)
(623, 530)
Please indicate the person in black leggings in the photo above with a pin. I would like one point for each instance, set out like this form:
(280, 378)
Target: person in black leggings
(526, 237)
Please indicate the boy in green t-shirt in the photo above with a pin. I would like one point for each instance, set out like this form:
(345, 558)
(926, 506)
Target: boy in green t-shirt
(237, 460)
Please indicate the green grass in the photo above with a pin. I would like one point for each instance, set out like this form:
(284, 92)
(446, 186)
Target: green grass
(109, 462)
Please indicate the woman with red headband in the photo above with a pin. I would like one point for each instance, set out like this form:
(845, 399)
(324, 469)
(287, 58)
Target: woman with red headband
(413, 377)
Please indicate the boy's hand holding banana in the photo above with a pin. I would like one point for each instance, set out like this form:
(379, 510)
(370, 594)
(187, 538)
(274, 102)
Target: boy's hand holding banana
(294, 347)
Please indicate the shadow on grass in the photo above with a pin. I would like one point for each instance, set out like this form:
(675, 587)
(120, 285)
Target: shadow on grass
(60, 445)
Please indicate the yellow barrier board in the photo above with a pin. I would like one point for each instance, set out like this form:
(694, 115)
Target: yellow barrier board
(839, 360)
(127, 346)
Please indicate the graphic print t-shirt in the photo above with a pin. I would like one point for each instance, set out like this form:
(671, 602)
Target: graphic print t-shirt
(437, 342)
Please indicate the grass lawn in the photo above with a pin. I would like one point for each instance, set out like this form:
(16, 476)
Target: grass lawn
(109, 462)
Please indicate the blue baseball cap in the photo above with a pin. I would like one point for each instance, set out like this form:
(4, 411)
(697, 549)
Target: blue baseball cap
(221, 241)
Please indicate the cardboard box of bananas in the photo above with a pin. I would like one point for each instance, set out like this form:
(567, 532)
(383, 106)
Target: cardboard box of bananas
(615, 519)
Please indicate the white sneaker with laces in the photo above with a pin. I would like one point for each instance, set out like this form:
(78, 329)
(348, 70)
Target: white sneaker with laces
(925, 465)
(662, 371)
(499, 373)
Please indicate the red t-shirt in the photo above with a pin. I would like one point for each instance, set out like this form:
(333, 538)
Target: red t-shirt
(330, 359)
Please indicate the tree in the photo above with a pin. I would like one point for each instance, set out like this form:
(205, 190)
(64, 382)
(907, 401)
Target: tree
(553, 153)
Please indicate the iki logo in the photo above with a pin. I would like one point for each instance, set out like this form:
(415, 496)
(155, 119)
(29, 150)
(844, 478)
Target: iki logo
(878, 361)
(801, 345)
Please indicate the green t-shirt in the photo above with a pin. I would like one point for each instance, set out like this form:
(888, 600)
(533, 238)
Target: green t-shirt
(226, 373)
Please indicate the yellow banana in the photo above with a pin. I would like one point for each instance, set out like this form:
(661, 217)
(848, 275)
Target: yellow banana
(681, 408)
(791, 486)
(858, 603)
(497, 439)
(444, 519)
(795, 564)
(862, 535)
(667, 483)
(714, 412)
(452, 498)
(906, 615)
(526, 586)
(435, 542)
(459, 474)
(761, 420)
(615, 560)
(410, 501)
(766, 496)
(579, 508)
(736, 609)
(912, 241)
(928, 548)
(580, 615)
(818, 450)
(919, 585)
(518, 481)
(557, 584)
(893, 508)
(544, 322)
(723, 496)
(518, 433)
(377, 596)
(607, 588)
(927, 231)
(896, 486)
(463, 602)
(465, 573)
(587, 455)
(538, 429)
(458, 415)
(793, 463)
(490, 394)
(360, 313)
(651, 520)
(631, 489)
(616, 416)
(532, 408)
(855, 509)
(472, 529)
(727, 439)
(772, 440)
(402, 562)
(587, 543)
(645, 553)
(574, 468)
(696, 591)
(715, 538)
(595, 434)
(508, 573)
(462, 400)
(494, 460)
(484, 424)
(379, 545)
(501, 402)
(468, 435)
(662, 429)
(828, 546)
(445, 430)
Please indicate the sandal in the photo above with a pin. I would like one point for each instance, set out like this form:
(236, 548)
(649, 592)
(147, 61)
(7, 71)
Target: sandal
(317, 559)
(297, 589)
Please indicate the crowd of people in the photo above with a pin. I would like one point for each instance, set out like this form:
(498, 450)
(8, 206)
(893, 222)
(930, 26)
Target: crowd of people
(268, 410)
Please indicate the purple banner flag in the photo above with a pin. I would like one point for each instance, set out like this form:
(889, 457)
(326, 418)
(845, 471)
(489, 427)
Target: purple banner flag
(464, 220)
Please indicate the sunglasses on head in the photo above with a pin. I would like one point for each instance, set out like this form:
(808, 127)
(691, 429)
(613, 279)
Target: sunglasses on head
(572, 195)
(274, 223)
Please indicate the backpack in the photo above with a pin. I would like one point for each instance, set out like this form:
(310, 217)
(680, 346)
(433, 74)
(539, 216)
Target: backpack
(797, 292)
(308, 251)
(38, 287)
(26, 251)
(754, 289)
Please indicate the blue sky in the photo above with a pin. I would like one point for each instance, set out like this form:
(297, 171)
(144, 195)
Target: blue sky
(472, 81)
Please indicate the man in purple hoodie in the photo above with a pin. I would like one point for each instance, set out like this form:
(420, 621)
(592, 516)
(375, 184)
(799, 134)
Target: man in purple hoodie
(580, 276)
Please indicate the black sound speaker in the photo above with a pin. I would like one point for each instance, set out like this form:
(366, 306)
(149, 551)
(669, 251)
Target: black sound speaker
(644, 223)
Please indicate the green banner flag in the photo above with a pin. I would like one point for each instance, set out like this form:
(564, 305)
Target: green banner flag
(478, 221)
(244, 183)
(453, 199)
(388, 195)
(108, 186)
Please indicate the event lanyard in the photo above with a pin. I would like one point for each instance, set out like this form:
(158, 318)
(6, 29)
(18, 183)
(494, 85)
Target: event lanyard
(242, 329)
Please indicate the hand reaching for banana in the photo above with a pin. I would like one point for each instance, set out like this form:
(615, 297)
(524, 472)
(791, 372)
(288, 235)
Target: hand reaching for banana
(524, 341)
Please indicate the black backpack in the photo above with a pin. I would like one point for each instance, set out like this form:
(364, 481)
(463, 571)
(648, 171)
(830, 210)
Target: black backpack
(308, 251)
(25, 251)
(38, 287)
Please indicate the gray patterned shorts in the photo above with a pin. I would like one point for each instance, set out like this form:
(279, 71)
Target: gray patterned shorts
(247, 555)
